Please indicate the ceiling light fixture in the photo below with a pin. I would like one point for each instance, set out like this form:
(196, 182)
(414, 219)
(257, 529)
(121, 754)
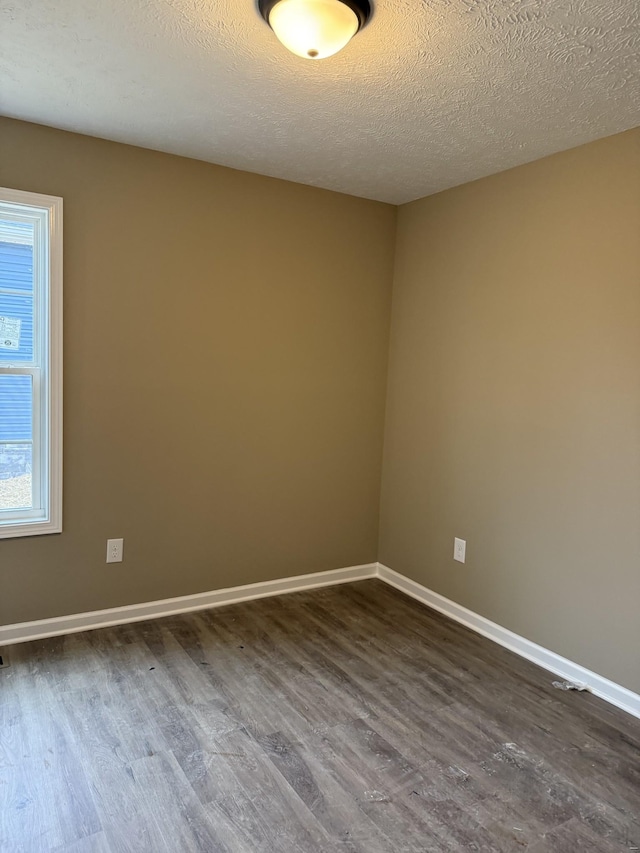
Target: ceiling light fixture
(315, 29)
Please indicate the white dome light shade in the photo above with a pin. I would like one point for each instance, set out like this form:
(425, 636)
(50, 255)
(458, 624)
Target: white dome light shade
(314, 29)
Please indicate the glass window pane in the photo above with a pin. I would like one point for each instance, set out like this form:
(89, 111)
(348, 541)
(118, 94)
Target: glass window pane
(16, 291)
(16, 328)
(16, 448)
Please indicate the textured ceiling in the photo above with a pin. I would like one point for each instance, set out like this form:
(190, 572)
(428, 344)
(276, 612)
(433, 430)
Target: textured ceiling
(432, 93)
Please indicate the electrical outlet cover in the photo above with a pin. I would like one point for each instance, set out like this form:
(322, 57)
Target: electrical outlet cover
(114, 550)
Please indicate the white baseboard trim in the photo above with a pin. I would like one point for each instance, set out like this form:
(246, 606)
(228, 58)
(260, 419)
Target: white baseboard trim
(567, 670)
(22, 632)
(611, 692)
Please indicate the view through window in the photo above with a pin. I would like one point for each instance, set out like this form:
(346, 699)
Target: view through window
(16, 347)
(30, 363)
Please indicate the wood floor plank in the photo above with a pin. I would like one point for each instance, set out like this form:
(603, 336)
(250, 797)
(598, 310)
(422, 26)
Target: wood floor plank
(572, 836)
(347, 718)
(173, 814)
(91, 844)
(27, 813)
(340, 813)
(43, 772)
(286, 821)
(394, 822)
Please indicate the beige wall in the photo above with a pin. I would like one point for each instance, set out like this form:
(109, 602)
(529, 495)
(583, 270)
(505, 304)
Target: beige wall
(226, 341)
(513, 416)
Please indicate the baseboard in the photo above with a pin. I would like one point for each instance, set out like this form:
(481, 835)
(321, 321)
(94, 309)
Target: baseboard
(611, 692)
(608, 690)
(22, 632)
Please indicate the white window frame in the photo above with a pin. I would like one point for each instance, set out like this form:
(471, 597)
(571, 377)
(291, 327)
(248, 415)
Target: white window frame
(45, 369)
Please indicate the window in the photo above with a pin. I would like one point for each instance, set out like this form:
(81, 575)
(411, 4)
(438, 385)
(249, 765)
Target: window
(30, 363)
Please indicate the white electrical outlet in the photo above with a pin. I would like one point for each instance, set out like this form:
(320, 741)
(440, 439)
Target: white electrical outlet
(114, 550)
(459, 549)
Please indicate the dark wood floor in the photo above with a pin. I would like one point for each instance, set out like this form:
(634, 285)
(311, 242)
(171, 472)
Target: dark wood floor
(349, 718)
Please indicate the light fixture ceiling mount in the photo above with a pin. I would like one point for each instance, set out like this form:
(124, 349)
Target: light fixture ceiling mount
(315, 29)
